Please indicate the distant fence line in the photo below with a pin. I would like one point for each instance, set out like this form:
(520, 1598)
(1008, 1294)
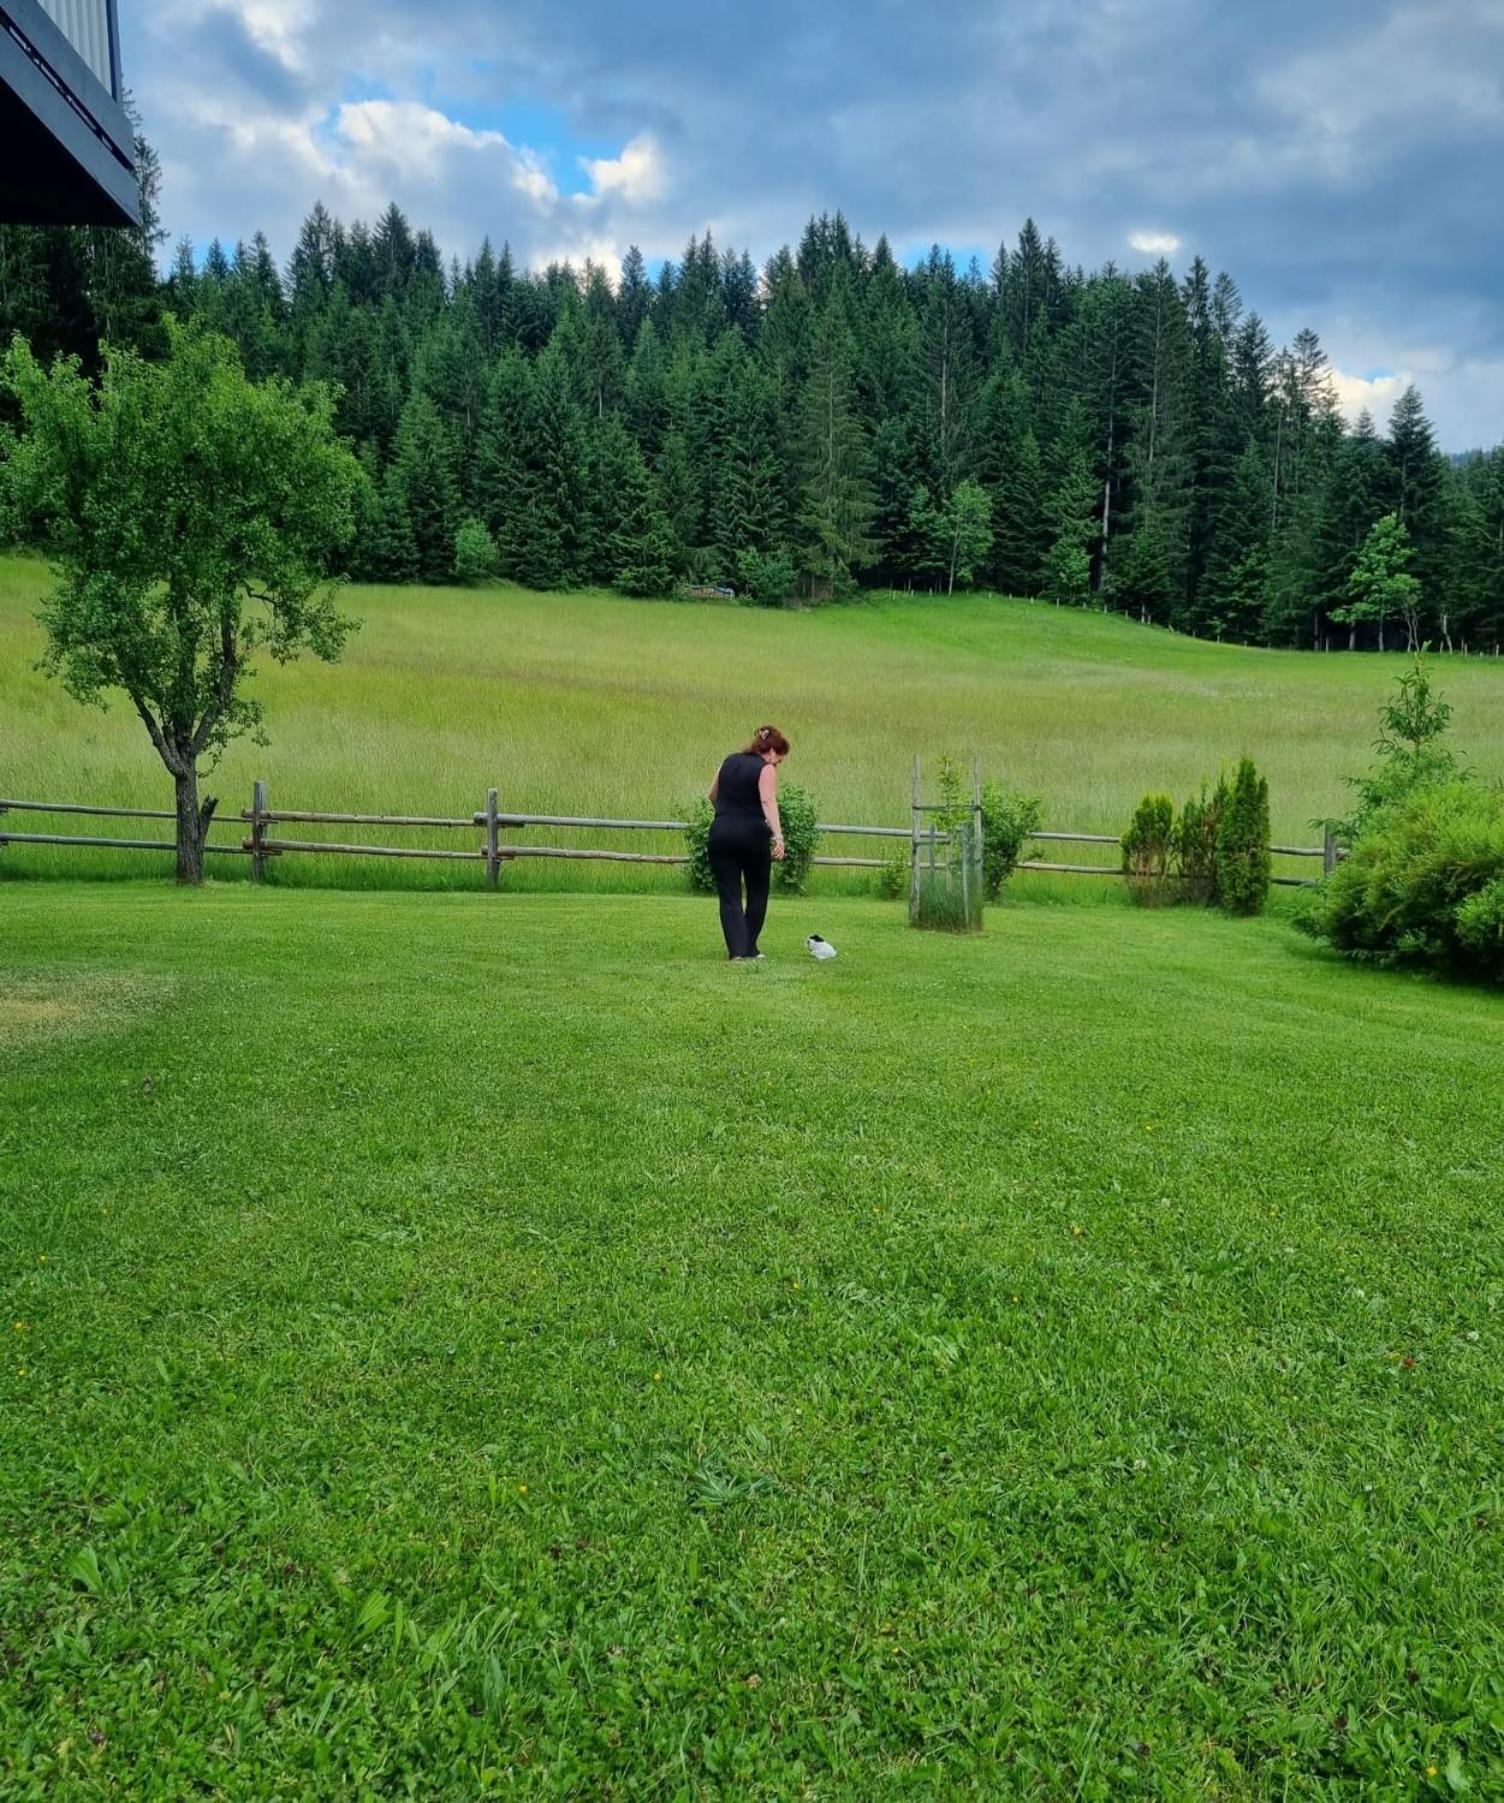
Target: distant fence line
(261, 844)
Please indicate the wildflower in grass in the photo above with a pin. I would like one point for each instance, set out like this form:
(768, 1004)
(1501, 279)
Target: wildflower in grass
(657, 1377)
(1076, 1232)
(18, 1327)
(522, 1489)
(1431, 1771)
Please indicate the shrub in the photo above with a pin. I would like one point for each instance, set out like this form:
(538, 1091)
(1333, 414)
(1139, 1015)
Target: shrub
(893, 877)
(1480, 928)
(766, 577)
(796, 809)
(1424, 885)
(1411, 755)
(1196, 845)
(1008, 820)
(1147, 848)
(1242, 843)
(797, 812)
(697, 843)
(475, 554)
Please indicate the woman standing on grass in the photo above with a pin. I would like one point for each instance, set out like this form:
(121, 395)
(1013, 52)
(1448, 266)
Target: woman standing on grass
(746, 837)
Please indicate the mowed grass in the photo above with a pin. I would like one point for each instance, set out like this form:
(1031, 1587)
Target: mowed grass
(591, 704)
(470, 1347)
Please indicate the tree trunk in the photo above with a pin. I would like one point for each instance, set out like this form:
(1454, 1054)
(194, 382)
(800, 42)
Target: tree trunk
(192, 826)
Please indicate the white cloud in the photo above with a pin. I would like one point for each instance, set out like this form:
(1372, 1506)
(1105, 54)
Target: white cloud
(404, 137)
(1375, 393)
(639, 175)
(1154, 244)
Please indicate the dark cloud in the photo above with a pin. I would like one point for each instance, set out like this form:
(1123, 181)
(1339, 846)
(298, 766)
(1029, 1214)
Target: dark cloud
(1338, 159)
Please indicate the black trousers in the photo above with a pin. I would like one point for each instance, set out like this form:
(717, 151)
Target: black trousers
(741, 854)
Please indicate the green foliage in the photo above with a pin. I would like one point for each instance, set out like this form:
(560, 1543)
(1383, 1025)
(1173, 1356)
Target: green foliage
(893, 878)
(1424, 884)
(1480, 928)
(1242, 843)
(952, 889)
(767, 578)
(1148, 845)
(1067, 574)
(1411, 755)
(475, 557)
(796, 810)
(1196, 845)
(891, 427)
(1381, 585)
(1009, 818)
(191, 516)
(697, 844)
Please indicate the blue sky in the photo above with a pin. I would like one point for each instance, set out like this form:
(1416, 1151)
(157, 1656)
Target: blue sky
(1339, 158)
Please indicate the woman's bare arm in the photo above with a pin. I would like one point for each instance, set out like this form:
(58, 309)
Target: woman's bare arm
(767, 790)
(715, 785)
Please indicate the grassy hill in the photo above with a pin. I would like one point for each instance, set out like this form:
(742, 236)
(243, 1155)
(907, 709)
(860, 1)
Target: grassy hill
(552, 1362)
(587, 703)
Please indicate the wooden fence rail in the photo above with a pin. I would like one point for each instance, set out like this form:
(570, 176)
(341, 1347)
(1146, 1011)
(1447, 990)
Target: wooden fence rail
(260, 844)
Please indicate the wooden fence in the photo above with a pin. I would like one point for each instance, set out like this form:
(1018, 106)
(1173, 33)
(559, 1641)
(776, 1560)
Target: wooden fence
(262, 841)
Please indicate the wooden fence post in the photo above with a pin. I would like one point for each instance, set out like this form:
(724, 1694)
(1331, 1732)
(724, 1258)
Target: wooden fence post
(493, 849)
(914, 824)
(1328, 851)
(978, 848)
(258, 831)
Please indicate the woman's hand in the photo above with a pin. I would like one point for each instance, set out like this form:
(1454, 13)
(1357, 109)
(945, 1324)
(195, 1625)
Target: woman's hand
(778, 848)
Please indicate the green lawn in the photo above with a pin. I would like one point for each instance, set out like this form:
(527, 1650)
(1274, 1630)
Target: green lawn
(591, 704)
(466, 1346)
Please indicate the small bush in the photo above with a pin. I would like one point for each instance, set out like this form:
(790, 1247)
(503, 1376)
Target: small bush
(1196, 845)
(1148, 846)
(1411, 755)
(697, 843)
(893, 878)
(1008, 820)
(1242, 843)
(766, 577)
(796, 810)
(475, 554)
(1424, 885)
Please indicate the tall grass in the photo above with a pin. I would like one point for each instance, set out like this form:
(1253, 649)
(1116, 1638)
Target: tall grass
(590, 704)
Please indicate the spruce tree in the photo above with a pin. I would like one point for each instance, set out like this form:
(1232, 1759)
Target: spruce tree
(422, 483)
(836, 503)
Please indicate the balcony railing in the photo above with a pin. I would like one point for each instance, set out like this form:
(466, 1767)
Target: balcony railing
(87, 26)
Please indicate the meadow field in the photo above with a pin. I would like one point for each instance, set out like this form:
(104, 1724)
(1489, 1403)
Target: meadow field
(454, 1352)
(591, 704)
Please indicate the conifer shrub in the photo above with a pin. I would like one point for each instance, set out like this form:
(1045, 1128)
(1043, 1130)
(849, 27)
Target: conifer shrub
(1242, 843)
(1148, 846)
(1196, 845)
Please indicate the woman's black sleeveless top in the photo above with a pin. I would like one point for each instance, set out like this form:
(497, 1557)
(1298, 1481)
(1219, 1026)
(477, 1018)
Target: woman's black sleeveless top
(736, 797)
